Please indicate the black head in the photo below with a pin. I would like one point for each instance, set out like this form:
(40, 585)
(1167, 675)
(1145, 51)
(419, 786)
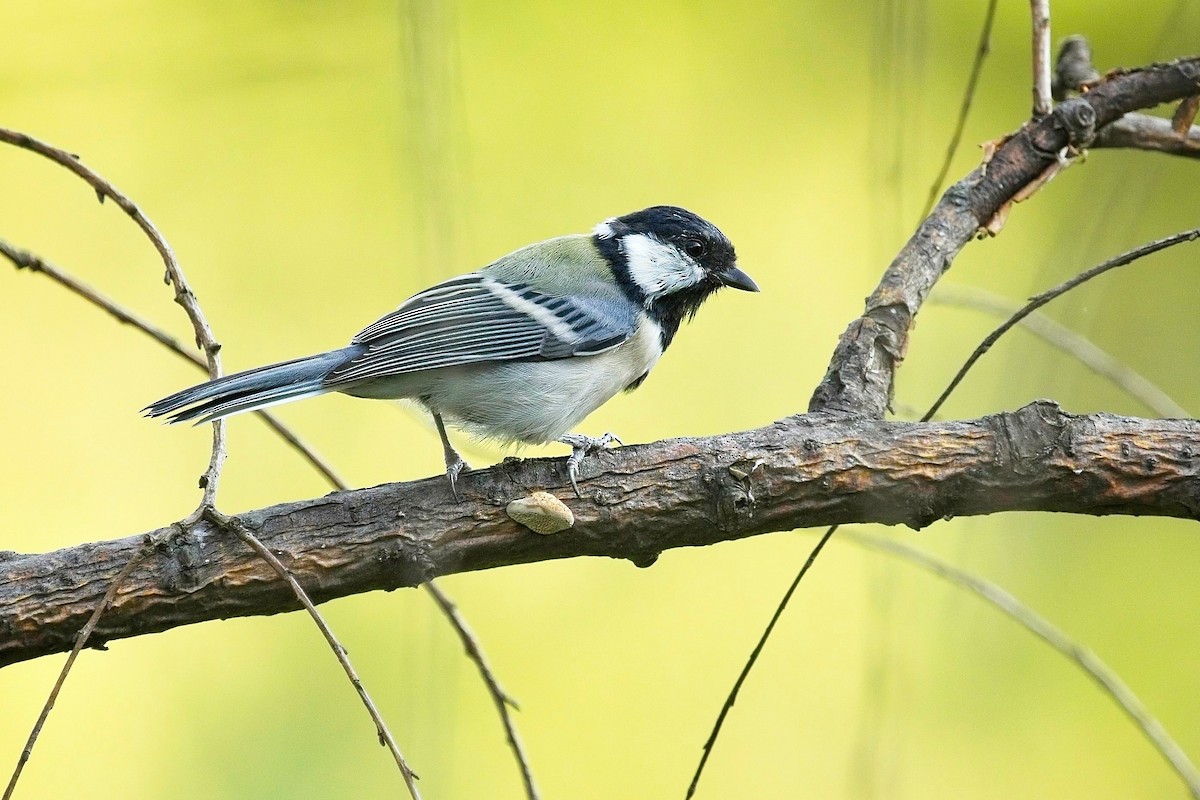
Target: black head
(669, 260)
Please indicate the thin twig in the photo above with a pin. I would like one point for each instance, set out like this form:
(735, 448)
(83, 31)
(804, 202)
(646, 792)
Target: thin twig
(501, 700)
(23, 259)
(1035, 303)
(1038, 625)
(1045, 297)
(981, 54)
(1144, 132)
(1041, 57)
(758, 648)
(385, 736)
(1068, 341)
(174, 276)
(80, 640)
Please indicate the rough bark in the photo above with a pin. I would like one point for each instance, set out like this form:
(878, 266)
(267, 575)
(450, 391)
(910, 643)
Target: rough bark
(803, 471)
(840, 464)
(861, 373)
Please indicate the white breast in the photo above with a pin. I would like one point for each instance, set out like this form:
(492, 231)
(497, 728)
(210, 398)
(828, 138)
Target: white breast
(539, 401)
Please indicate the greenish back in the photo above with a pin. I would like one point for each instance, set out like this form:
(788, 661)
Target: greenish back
(563, 265)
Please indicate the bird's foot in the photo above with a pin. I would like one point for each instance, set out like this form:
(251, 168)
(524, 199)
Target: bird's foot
(581, 446)
(454, 462)
(455, 466)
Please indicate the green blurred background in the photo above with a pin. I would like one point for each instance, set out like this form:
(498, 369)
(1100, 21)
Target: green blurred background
(315, 163)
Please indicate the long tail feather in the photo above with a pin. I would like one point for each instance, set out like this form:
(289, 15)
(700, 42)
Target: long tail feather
(252, 389)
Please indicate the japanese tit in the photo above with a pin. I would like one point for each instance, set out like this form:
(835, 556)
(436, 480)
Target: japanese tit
(521, 350)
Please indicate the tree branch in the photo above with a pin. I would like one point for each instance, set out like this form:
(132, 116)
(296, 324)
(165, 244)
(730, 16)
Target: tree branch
(799, 472)
(1143, 132)
(861, 373)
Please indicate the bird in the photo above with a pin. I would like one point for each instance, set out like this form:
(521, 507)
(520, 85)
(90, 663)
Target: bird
(519, 351)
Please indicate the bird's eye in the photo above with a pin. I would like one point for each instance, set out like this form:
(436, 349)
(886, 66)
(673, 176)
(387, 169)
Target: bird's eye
(694, 248)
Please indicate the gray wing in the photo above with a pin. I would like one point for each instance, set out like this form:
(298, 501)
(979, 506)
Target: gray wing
(477, 317)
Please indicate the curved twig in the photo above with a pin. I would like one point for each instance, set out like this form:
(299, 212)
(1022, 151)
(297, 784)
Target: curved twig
(501, 699)
(80, 640)
(981, 54)
(1068, 341)
(174, 275)
(211, 477)
(1039, 626)
(731, 698)
(1045, 297)
(385, 736)
(23, 259)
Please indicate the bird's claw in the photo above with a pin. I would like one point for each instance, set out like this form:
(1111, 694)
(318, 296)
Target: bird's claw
(454, 462)
(453, 469)
(581, 447)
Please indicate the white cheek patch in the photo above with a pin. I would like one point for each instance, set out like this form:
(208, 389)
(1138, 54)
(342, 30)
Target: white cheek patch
(658, 268)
